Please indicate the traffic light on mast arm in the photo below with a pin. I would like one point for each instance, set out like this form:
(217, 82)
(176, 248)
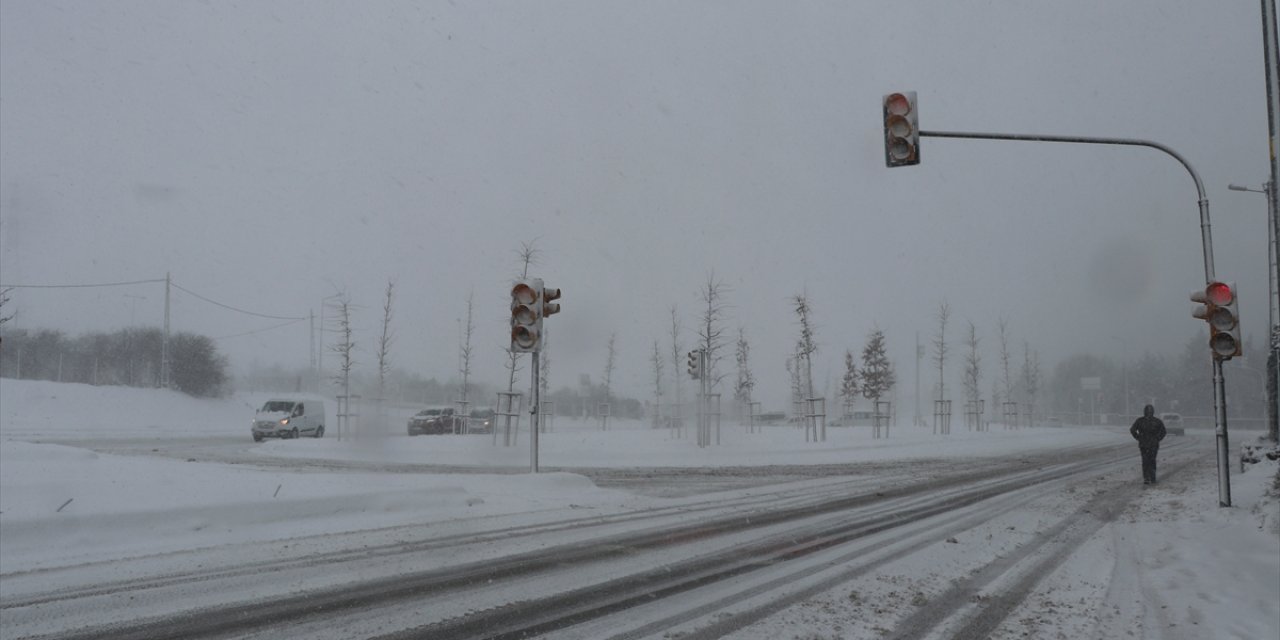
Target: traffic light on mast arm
(526, 316)
(1219, 307)
(695, 364)
(901, 130)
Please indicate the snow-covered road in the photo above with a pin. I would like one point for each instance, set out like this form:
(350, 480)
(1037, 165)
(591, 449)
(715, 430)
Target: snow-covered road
(1038, 533)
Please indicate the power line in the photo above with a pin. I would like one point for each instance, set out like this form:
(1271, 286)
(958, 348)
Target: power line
(77, 286)
(274, 326)
(227, 306)
(152, 281)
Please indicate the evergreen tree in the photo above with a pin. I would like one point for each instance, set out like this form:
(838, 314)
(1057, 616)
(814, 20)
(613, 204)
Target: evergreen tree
(877, 372)
(849, 384)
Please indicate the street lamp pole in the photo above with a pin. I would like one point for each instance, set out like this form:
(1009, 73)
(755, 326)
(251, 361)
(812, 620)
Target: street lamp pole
(1273, 280)
(1206, 247)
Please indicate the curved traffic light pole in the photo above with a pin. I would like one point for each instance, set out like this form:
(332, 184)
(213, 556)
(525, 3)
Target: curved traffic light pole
(1206, 239)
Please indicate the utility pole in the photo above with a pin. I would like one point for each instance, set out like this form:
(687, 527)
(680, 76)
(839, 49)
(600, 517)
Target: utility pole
(919, 355)
(164, 341)
(312, 335)
(1271, 67)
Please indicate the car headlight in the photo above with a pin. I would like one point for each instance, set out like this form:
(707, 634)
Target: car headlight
(284, 421)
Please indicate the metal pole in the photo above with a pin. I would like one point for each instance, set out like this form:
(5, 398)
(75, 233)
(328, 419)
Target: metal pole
(533, 420)
(919, 353)
(1273, 369)
(1126, 391)
(1206, 241)
(704, 423)
(164, 341)
(1272, 379)
(1271, 68)
(320, 349)
(1273, 282)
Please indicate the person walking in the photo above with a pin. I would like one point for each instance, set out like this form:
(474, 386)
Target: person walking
(1148, 431)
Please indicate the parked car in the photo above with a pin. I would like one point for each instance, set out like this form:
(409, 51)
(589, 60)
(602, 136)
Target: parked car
(435, 421)
(481, 421)
(1173, 424)
(289, 418)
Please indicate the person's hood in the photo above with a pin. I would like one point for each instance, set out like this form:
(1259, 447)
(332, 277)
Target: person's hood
(1148, 411)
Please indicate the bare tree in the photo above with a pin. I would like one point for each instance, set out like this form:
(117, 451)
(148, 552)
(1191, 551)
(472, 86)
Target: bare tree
(4, 299)
(1002, 326)
(1030, 379)
(345, 348)
(940, 348)
(657, 361)
(997, 396)
(385, 339)
(746, 380)
(972, 366)
(805, 344)
(797, 384)
(711, 326)
(527, 255)
(675, 363)
(609, 363)
(464, 348)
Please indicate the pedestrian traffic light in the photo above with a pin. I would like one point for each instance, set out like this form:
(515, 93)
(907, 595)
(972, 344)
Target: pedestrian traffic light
(548, 295)
(526, 316)
(1220, 309)
(695, 364)
(901, 132)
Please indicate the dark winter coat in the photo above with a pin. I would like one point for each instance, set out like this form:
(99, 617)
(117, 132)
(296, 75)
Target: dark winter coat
(1148, 430)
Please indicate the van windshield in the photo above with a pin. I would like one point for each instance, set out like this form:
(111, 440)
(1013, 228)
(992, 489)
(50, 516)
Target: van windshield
(273, 406)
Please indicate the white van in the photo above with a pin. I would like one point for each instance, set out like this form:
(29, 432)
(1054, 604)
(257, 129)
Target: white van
(289, 418)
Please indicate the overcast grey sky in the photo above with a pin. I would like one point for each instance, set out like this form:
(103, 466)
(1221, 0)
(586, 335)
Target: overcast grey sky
(268, 153)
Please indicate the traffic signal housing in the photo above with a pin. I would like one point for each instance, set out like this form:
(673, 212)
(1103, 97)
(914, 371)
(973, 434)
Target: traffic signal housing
(1219, 307)
(549, 294)
(526, 316)
(901, 130)
(695, 364)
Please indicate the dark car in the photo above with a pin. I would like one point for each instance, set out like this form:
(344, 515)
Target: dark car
(435, 421)
(481, 421)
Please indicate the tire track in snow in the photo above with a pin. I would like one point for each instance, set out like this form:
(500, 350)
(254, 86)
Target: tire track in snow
(1026, 567)
(941, 495)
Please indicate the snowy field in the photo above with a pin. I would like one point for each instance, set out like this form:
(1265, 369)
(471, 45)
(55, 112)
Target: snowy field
(130, 504)
(1175, 566)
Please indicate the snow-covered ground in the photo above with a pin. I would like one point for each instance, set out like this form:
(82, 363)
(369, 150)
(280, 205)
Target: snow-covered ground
(1174, 566)
(121, 505)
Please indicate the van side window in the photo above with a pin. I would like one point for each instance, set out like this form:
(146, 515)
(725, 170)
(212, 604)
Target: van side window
(297, 411)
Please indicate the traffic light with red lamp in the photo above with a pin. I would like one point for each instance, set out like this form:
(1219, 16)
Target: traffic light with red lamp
(901, 130)
(1219, 307)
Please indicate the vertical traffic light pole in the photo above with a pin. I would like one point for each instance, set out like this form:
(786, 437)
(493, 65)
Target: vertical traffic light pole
(533, 420)
(1206, 239)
